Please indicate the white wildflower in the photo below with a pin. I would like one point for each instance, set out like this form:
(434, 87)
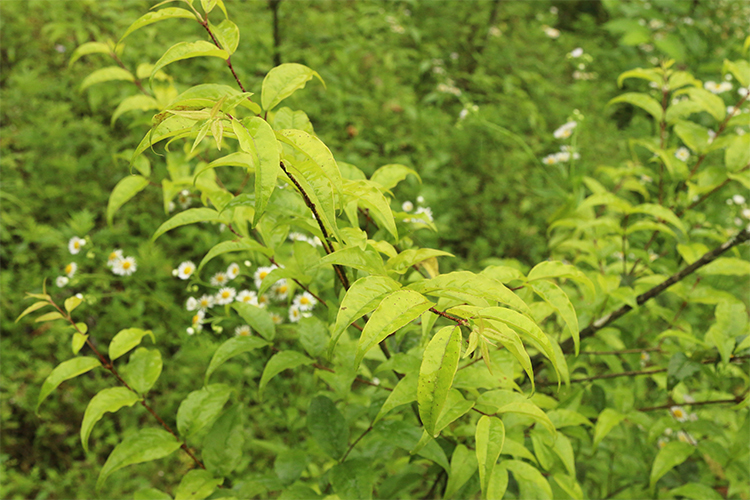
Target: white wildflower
(427, 212)
(549, 159)
(261, 273)
(305, 302)
(294, 314)
(738, 199)
(191, 304)
(206, 302)
(75, 244)
(565, 130)
(280, 289)
(264, 300)
(576, 53)
(746, 213)
(678, 413)
(686, 438)
(297, 236)
(71, 269)
(247, 297)
(184, 198)
(190, 330)
(551, 32)
(562, 156)
(242, 331)
(225, 295)
(197, 321)
(725, 87)
(61, 281)
(113, 257)
(655, 24)
(407, 206)
(125, 267)
(277, 318)
(742, 91)
(682, 154)
(315, 241)
(185, 270)
(662, 442)
(420, 199)
(219, 279)
(233, 270)
(495, 31)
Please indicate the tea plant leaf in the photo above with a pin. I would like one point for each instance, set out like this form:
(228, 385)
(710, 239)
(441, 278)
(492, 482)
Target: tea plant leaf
(155, 17)
(201, 408)
(230, 349)
(124, 190)
(395, 311)
(439, 365)
(489, 438)
(106, 400)
(404, 392)
(89, 48)
(239, 159)
(33, 307)
(529, 410)
(388, 176)
(65, 371)
(356, 258)
(143, 446)
(267, 169)
(134, 102)
(737, 155)
(528, 476)
(282, 81)
(143, 369)
(228, 35)
(127, 339)
(353, 479)
(187, 50)
(608, 419)
(559, 301)
(556, 269)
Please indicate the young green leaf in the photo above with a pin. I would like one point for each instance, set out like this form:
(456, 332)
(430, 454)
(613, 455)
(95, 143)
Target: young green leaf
(240, 159)
(222, 446)
(187, 50)
(530, 410)
(89, 48)
(672, 455)
(556, 269)
(281, 361)
(489, 437)
(228, 35)
(33, 307)
(408, 258)
(155, 17)
(327, 426)
(395, 311)
(405, 392)
(77, 342)
(388, 176)
(737, 155)
(282, 81)
(50, 316)
(124, 190)
(197, 484)
(532, 483)
(201, 408)
(143, 446)
(696, 491)
(230, 349)
(608, 419)
(564, 450)
(190, 216)
(106, 400)
(356, 258)
(65, 371)
(711, 103)
(643, 101)
(257, 318)
(151, 494)
(108, 74)
(267, 169)
(72, 302)
(127, 339)
(439, 365)
(143, 369)
(138, 102)
(463, 465)
(559, 301)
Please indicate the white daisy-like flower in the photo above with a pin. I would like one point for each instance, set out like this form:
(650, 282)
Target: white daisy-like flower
(562, 156)
(125, 267)
(420, 199)
(225, 295)
(693, 417)
(61, 281)
(248, 263)
(191, 304)
(713, 87)
(407, 206)
(261, 273)
(75, 244)
(197, 320)
(738, 199)
(427, 212)
(662, 442)
(171, 207)
(294, 314)
(247, 297)
(233, 270)
(243, 331)
(725, 87)
(184, 198)
(682, 154)
(645, 357)
(711, 136)
(742, 91)
(746, 213)
(294, 236)
(280, 289)
(190, 330)
(565, 130)
(731, 110)
(264, 300)
(219, 279)
(113, 257)
(678, 413)
(277, 318)
(551, 32)
(686, 438)
(494, 31)
(206, 302)
(305, 302)
(185, 270)
(576, 53)
(549, 160)
(71, 269)
(668, 431)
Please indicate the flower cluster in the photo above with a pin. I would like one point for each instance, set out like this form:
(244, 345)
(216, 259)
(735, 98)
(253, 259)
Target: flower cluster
(669, 435)
(116, 261)
(717, 88)
(121, 265)
(565, 154)
(422, 215)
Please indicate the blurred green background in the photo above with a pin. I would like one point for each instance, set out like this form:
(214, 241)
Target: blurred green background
(398, 76)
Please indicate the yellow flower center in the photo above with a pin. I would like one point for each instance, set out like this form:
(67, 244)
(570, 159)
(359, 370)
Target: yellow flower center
(263, 275)
(68, 268)
(225, 294)
(188, 269)
(304, 300)
(196, 318)
(282, 289)
(126, 265)
(204, 303)
(113, 256)
(76, 245)
(678, 413)
(246, 298)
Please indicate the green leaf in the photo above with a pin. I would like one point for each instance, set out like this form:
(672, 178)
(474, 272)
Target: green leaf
(740, 69)
(369, 197)
(608, 419)
(228, 35)
(559, 301)
(557, 269)
(230, 349)
(65, 371)
(439, 365)
(36, 306)
(313, 149)
(737, 155)
(197, 484)
(353, 479)
(528, 477)
(564, 450)
(672, 455)
(151, 494)
(78, 342)
(408, 258)
(289, 465)
(282, 81)
(108, 74)
(267, 171)
(313, 335)
(200, 408)
(281, 361)
(465, 282)
(361, 298)
(530, 410)
(190, 216)
(650, 74)
(660, 212)
(693, 135)
(327, 426)
(405, 392)
(643, 101)
(682, 109)
(680, 367)
(187, 50)
(90, 48)
(50, 316)
(388, 176)
(511, 341)
(143, 446)
(711, 103)
(239, 159)
(394, 312)
(569, 485)
(463, 465)
(155, 17)
(222, 446)
(72, 302)
(134, 102)
(124, 191)
(356, 258)
(242, 245)
(455, 407)
(731, 321)
(609, 199)
(143, 369)
(127, 339)
(258, 318)
(567, 418)
(106, 400)
(490, 437)
(696, 491)
(497, 483)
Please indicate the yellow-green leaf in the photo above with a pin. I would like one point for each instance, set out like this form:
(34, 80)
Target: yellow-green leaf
(439, 365)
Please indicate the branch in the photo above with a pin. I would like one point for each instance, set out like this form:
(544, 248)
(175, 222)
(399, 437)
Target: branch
(738, 399)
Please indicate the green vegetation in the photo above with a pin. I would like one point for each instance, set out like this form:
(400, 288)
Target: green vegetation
(524, 274)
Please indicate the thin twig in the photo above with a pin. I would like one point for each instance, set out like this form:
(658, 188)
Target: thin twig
(351, 447)
(738, 399)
